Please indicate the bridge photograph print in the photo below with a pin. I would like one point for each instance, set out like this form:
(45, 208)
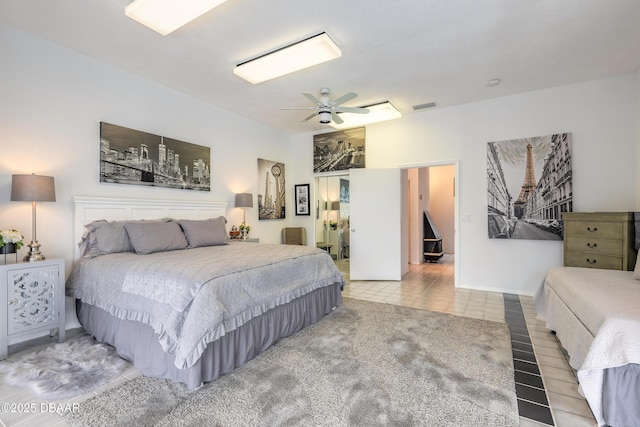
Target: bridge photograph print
(341, 150)
(129, 156)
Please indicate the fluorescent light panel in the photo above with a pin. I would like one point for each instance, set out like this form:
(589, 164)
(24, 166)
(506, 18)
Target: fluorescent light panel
(303, 54)
(165, 16)
(377, 113)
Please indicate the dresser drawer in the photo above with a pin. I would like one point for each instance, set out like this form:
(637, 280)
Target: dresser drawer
(590, 260)
(599, 230)
(595, 246)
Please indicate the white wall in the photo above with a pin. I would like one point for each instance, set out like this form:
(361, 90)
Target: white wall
(601, 114)
(414, 236)
(52, 101)
(442, 203)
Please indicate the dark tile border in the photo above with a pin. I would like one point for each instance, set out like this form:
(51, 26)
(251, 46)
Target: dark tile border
(530, 391)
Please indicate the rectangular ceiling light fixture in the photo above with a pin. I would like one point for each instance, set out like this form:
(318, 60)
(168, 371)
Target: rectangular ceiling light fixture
(297, 56)
(377, 113)
(165, 16)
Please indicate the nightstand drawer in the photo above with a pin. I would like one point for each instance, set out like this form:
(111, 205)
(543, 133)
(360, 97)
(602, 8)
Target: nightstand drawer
(598, 230)
(32, 298)
(595, 246)
(31, 301)
(590, 260)
(599, 240)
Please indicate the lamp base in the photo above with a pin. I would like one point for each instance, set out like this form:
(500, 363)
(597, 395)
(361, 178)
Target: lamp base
(34, 253)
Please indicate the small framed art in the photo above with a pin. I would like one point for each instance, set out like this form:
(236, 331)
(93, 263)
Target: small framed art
(302, 199)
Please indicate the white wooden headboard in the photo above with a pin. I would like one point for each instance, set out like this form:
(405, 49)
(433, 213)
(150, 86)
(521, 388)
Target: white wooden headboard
(87, 209)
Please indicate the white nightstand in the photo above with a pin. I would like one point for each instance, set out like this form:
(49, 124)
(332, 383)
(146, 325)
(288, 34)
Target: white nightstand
(31, 300)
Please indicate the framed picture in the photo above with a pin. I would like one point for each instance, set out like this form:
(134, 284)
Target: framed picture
(129, 156)
(340, 150)
(530, 185)
(272, 196)
(302, 199)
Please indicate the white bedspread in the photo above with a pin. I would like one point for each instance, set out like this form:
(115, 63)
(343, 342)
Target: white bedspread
(192, 297)
(596, 315)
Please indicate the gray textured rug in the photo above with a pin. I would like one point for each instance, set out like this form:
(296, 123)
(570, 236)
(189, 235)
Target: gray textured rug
(64, 370)
(365, 364)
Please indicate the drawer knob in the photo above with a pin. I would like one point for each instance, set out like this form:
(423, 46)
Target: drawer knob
(591, 261)
(592, 230)
(592, 245)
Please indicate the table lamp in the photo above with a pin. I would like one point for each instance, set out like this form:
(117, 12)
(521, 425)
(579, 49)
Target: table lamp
(33, 188)
(244, 200)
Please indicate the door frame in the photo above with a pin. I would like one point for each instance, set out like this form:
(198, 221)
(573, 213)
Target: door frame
(456, 203)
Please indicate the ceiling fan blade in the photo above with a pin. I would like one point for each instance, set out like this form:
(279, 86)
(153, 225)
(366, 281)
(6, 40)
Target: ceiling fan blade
(313, 99)
(344, 98)
(356, 110)
(336, 118)
(310, 117)
(299, 108)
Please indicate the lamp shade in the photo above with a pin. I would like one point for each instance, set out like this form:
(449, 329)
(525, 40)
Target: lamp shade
(32, 188)
(244, 200)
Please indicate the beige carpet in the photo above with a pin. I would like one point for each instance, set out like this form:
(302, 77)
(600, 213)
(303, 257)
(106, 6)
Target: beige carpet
(365, 364)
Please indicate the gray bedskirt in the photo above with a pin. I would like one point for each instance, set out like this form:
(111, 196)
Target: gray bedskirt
(621, 395)
(138, 343)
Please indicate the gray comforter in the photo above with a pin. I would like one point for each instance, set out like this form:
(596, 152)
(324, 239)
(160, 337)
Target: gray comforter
(194, 296)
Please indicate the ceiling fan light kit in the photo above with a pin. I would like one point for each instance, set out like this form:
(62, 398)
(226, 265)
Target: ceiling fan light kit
(294, 57)
(379, 112)
(166, 16)
(325, 117)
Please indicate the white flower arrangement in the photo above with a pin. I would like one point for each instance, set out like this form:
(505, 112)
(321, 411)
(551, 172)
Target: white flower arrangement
(11, 236)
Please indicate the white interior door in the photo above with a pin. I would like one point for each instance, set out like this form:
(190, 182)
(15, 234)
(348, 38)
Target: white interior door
(376, 224)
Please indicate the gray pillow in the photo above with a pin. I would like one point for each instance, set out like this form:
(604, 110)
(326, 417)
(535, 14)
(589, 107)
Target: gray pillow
(208, 232)
(106, 237)
(150, 237)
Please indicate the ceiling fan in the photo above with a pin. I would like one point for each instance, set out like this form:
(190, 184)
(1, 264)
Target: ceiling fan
(327, 109)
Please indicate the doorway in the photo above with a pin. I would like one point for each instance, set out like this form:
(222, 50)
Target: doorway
(433, 188)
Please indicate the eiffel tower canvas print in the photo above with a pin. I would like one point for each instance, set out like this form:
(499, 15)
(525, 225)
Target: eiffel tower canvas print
(529, 186)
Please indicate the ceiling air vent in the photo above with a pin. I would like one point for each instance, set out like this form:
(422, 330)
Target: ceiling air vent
(423, 106)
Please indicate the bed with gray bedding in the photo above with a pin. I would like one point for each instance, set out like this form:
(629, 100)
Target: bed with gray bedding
(180, 302)
(596, 317)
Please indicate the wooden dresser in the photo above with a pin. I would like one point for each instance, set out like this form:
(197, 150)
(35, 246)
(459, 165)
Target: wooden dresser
(599, 240)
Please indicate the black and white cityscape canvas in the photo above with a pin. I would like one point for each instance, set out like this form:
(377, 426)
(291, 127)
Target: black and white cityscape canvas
(129, 156)
(271, 190)
(341, 150)
(529, 186)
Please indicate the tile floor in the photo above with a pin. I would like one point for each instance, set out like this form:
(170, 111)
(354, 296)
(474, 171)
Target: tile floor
(545, 385)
